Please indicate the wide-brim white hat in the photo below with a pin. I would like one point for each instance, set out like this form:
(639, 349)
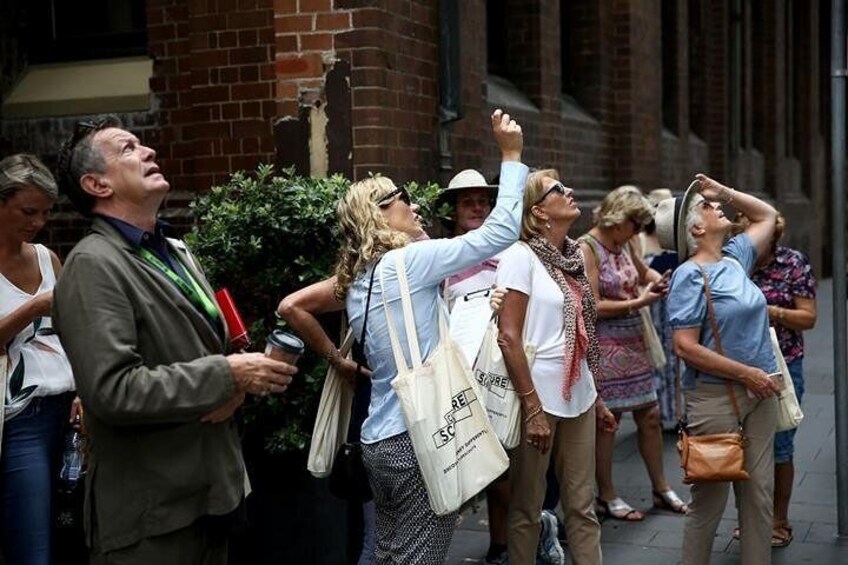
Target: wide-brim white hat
(670, 219)
(469, 178)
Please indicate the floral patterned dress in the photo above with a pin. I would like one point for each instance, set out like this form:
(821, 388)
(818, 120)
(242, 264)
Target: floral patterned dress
(626, 379)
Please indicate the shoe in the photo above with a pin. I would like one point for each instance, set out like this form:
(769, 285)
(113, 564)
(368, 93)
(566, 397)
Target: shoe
(549, 550)
(618, 510)
(781, 535)
(561, 536)
(668, 500)
(502, 559)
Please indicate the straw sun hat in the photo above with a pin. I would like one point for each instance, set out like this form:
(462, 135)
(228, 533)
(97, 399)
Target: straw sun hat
(670, 218)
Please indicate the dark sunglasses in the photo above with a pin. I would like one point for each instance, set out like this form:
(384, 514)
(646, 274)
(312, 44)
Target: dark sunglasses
(556, 187)
(389, 199)
(85, 127)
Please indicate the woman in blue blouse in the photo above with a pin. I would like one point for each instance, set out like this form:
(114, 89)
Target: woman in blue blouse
(376, 221)
(695, 226)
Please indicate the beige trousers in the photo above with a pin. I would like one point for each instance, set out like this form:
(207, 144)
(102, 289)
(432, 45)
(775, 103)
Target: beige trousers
(709, 411)
(573, 450)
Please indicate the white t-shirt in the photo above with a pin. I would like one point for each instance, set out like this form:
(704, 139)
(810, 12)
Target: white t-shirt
(521, 270)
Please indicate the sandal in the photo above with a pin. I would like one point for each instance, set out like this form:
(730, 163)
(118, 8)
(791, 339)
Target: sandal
(668, 500)
(781, 535)
(619, 510)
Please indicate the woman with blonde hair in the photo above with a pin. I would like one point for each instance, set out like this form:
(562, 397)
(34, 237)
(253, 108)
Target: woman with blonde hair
(38, 399)
(376, 222)
(550, 304)
(626, 374)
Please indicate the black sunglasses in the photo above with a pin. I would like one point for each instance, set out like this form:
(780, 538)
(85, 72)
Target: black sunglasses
(388, 199)
(556, 187)
(86, 127)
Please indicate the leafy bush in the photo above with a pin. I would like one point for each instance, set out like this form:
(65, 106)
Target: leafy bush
(264, 236)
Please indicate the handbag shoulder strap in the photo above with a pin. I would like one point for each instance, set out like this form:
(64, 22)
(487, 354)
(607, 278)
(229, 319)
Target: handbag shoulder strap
(367, 305)
(714, 325)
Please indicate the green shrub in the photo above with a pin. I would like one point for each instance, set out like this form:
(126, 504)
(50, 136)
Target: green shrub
(264, 236)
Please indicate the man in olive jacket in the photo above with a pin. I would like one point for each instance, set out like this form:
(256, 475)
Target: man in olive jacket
(147, 344)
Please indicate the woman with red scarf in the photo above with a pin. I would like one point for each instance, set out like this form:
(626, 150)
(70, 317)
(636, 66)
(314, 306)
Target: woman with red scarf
(549, 304)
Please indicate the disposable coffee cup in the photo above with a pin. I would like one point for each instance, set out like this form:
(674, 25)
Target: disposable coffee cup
(283, 346)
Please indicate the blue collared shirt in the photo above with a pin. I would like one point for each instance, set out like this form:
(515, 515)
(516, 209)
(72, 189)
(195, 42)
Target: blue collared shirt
(740, 309)
(428, 263)
(155, 241)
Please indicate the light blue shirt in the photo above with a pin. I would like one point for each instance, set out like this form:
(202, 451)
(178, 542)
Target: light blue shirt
(740, 308)
(428, 263)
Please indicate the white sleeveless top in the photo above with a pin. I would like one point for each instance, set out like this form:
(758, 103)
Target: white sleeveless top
(36, 363)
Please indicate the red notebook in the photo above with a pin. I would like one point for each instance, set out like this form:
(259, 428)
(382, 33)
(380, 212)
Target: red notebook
(239, 338)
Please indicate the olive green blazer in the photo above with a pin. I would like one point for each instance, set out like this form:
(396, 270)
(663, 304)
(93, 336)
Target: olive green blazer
(148, 366)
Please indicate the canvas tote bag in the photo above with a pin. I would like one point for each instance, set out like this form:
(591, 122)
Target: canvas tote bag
(496, 389)
(457, 450)
(789, 414)
(333, 419)
(653, 344)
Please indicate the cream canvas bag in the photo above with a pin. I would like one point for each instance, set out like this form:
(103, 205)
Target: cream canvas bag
(457, 450)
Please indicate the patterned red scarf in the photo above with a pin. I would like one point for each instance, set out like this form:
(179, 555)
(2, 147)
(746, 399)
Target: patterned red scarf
(579, 312)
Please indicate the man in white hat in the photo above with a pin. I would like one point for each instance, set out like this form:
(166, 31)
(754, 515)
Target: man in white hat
(470, 198)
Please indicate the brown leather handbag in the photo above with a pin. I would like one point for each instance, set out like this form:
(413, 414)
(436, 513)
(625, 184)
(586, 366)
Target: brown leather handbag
(710, 457)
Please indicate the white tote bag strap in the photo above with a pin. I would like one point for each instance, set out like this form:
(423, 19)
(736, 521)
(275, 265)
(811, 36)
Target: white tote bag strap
(408, 314)
(397, 350)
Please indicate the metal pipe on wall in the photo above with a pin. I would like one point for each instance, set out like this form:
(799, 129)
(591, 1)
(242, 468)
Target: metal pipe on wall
(840, 337)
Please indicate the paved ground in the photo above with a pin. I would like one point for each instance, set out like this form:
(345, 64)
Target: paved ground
(657, 540)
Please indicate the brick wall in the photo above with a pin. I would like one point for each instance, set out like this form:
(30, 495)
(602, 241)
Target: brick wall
(214, 88)
(352, 86)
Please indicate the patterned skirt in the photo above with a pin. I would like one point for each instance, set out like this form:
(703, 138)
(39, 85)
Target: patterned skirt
(626, 379)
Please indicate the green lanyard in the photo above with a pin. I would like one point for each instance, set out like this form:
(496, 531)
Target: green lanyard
(194, 293)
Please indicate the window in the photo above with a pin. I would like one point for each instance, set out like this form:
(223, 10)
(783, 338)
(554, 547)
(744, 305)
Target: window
(86, 29)
(793, 58)
(670, 106)
(758, 107)
(568, 47)
(496, 37)
(697, 72)
(736, 69)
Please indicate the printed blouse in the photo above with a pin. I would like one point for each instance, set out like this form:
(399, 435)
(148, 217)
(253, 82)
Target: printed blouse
(787, 276)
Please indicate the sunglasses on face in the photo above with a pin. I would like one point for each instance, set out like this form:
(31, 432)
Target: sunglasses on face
(389, 199)
(557, 187)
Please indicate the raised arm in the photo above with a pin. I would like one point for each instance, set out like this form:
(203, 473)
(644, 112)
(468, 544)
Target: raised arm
(761, 214)
(432, 261)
